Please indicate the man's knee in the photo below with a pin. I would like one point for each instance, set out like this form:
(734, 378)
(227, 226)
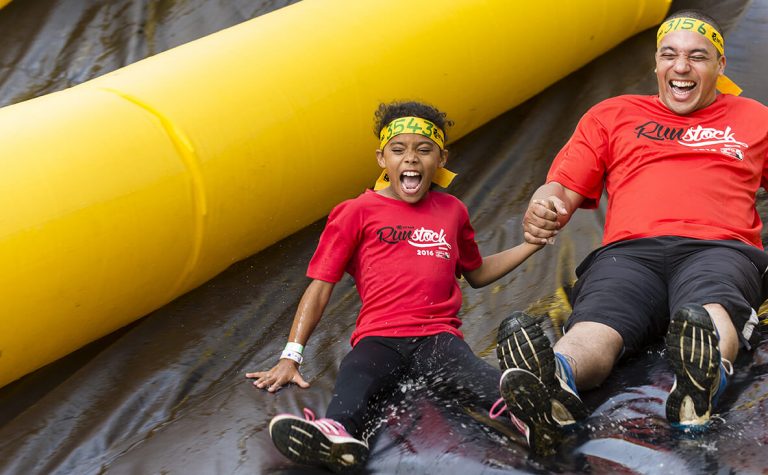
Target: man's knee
(591, 349)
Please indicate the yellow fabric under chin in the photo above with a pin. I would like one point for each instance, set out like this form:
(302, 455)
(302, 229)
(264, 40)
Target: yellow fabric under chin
(443, 177)
(726, 86)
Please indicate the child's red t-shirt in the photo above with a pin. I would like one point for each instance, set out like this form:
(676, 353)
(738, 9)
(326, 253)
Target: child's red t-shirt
(405, 259)
(670, 175)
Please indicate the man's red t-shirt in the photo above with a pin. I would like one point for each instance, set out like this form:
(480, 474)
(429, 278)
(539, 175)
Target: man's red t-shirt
(670, 175)
(405, 259)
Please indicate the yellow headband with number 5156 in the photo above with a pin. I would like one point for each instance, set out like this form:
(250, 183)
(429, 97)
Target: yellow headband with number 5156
(724, 84)
(414, 125)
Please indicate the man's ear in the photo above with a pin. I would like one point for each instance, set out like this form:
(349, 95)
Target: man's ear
(380, 159)
(721, 64)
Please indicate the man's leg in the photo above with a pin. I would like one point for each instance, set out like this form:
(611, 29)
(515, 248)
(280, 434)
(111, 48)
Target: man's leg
(729, 339)
(713, 291)
(620, 303)
(591, 349)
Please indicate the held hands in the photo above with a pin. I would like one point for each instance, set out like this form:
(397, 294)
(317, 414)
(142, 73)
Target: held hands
(284, 372)
(540, 223)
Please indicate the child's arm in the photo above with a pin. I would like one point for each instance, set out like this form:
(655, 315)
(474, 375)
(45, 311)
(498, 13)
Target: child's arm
(498, 265)
(310, 310)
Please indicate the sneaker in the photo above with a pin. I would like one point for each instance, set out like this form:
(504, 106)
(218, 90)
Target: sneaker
(318, 442)
(527, 400)
(692, 349)
(522, 344)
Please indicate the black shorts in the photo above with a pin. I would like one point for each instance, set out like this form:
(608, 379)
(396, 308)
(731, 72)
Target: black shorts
(634, 286)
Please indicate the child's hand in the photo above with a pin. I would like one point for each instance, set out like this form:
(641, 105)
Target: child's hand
(284, 372)
(540, 222)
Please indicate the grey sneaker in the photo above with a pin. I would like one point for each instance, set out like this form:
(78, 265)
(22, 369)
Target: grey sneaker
(534, 384)
(692, 350)
(521, 343)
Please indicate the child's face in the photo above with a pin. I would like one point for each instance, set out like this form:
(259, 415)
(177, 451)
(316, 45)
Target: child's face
(411, 161)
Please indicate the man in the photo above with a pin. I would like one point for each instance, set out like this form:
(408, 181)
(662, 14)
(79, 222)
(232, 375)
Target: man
(681, 239)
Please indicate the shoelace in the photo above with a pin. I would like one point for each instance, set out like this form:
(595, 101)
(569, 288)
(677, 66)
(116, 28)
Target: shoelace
(497, 411)
(326, 425)
(499, 408)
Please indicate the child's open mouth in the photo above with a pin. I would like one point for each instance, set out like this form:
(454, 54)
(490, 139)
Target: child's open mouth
(410, 181)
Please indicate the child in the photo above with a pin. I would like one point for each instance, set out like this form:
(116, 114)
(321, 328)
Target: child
(405, 245)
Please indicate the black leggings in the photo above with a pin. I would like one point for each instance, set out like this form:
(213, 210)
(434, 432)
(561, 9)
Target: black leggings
(369, 374)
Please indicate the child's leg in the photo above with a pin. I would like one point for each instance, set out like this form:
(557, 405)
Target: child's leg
(335, 441)
(366, 374)
(449, 361)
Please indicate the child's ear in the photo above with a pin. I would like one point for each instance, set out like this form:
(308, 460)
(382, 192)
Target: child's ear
(380, 159)
(443, 158)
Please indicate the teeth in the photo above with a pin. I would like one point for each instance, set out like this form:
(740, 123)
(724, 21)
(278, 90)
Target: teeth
(683, 83)
(410, 173)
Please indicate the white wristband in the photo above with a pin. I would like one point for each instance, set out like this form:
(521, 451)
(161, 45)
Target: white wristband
(292, 346)
(292, 355)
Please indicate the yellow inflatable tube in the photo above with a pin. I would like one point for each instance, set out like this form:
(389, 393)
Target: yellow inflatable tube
(124, 192)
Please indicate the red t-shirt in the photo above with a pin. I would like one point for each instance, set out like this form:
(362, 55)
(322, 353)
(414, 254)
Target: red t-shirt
(670, 175)
(405, 259)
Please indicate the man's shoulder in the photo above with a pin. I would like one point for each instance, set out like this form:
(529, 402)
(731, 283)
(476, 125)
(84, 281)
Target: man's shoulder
(746, 103)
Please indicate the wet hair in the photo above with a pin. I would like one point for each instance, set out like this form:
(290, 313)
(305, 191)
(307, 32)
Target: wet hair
(386, 113)
(698, 15)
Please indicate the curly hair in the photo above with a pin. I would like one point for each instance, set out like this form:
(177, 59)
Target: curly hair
(386, 113)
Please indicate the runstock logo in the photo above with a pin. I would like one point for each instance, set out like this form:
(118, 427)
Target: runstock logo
(417, 237)
(695, 137)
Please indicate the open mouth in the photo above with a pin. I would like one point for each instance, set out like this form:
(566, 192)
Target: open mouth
(410, 181)
(681, 87)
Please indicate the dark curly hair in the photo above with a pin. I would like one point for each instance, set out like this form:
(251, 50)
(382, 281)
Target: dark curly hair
(386, 113)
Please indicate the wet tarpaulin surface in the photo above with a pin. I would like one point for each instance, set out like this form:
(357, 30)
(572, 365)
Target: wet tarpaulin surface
(167, 394)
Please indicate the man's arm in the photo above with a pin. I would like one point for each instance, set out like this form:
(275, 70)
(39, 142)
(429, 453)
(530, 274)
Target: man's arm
(550, 208)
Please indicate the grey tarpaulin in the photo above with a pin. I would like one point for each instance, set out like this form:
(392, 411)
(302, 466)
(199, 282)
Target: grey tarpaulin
(167, 394)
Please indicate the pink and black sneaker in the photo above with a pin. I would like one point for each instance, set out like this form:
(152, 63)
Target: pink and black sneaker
(318, 442)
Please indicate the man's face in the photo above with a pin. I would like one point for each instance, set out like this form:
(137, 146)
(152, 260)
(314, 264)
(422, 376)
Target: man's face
(687, 67)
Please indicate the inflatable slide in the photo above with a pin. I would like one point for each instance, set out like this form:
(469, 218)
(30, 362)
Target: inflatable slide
(132, 188)
(166, 393)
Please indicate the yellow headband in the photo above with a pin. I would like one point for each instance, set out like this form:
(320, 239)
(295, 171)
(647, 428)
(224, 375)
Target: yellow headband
(724, 84)
(414, 125)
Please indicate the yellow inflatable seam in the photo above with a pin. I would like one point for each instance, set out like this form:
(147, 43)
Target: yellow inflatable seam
(191, 162)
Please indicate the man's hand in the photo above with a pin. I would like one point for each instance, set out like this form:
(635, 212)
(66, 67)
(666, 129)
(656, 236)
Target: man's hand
(284, 372)
(540, 224)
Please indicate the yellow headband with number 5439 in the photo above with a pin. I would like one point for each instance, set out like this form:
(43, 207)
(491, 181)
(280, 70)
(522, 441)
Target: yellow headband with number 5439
(414, 125)
(724, 84)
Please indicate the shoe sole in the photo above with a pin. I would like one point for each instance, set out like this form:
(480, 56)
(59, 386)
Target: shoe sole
(302, 442)
(527, 398)
(692, 350)
(521, 343)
